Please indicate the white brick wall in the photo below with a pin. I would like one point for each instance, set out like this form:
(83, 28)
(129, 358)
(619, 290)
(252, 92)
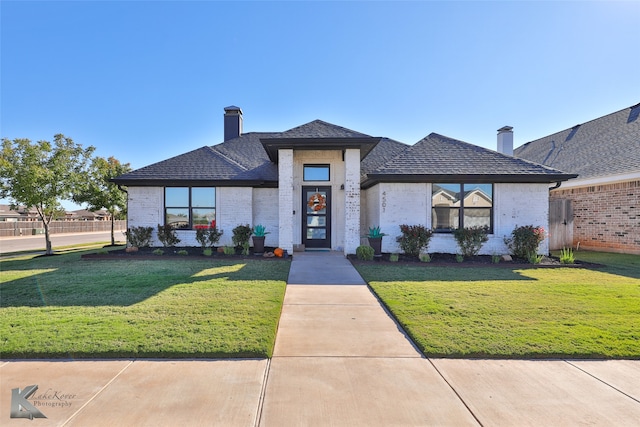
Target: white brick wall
(285, 199)
(265, 212)
(233, 208)
(145, 208)
(352, 201)
(392, 204)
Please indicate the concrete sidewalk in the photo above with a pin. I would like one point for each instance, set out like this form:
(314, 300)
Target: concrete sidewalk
(339, 360)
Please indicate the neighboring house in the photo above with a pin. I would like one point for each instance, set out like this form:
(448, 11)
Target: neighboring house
(601, 206)
(20, 213)
(320, 186)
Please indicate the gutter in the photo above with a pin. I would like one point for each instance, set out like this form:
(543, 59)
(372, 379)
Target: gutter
(558, 184)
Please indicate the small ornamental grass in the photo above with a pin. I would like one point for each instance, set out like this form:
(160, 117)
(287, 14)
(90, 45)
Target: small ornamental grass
(566, 256)
(414, 239)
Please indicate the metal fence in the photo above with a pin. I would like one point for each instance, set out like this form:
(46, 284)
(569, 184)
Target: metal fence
(28, 228)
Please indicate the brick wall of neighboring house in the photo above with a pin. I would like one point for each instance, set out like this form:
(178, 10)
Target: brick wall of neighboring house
(605, 217)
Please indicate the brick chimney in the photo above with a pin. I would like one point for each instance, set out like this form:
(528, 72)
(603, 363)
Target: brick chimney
(505, 140)
(232, 122)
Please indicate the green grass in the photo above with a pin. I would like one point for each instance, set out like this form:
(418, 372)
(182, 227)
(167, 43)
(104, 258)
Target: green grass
(62, 306)
(516, 312)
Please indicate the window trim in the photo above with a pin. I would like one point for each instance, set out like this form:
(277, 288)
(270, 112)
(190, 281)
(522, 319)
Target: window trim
(461, 208)
(190, 208)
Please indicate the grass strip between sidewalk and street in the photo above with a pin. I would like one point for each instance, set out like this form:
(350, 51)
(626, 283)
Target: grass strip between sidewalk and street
(516, 313)
(64, 307)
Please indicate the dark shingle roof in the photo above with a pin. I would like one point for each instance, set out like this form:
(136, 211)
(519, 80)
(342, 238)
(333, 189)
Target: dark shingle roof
(437, 158)
(609, 145)
(248, 160)
(240, 160)
(321, 129)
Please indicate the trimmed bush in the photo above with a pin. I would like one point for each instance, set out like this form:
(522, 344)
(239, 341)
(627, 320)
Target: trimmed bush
(241, 235)
(208, 236)
(525, 240)
(139, 237)
(414, 239)
(364, 252)
(470, 240)
(167, 235)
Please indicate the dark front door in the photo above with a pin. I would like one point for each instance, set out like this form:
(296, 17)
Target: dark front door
(316, 221)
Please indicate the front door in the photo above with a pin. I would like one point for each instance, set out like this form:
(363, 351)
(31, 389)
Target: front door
(316, 221)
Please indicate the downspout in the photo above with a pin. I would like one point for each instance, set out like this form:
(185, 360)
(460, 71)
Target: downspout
(558, 184)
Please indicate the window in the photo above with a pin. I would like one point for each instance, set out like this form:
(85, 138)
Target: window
(190, 207)
(316, 173)
(461, 205)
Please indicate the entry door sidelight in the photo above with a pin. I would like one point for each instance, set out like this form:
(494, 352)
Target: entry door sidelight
(316, 225)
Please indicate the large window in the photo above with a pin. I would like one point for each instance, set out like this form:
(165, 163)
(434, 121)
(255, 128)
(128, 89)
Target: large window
(190, 207)
(461, 205)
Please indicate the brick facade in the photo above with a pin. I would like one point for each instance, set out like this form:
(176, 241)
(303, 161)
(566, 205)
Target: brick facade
(605, 217)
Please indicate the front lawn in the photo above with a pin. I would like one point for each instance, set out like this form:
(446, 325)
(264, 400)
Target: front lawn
(516, 312)
(62, 306)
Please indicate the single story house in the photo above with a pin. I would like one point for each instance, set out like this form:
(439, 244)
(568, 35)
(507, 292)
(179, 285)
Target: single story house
(598, 208)
(321, 186)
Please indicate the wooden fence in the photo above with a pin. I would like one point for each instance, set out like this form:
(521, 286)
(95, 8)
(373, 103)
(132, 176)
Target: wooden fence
(28, 228)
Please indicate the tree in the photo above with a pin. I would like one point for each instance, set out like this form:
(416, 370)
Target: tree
(99, 192)
(42, 174)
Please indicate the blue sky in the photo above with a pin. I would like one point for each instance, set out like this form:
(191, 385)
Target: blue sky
(147, 80)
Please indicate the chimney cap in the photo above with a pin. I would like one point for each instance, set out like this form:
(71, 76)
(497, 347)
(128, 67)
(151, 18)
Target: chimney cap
(232, 108)
(505, 129)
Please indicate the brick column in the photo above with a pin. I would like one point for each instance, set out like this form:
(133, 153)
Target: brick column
(285, 199)
(351, 201)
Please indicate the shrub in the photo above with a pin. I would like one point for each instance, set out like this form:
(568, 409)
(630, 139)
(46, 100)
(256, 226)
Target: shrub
(229, 250)
(183, 252)
(364, 252)
(245, 248)
(525, 240)
(207, 252)
(566, 256)
(414, 239)
(393, 257)
(495, 259)
(459, 257)
(139, 237)
(208, 236)
(167, 235)
(425, 258)
(158, 252)
(241, 235)
(470, 240)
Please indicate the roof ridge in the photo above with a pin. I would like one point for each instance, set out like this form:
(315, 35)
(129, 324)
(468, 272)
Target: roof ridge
(227, 158)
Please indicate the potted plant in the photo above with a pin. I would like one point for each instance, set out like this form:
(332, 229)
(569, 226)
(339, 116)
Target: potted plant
(375, 240)
(259, 234)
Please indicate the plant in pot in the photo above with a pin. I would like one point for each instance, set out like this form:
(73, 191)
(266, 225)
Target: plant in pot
(375, 240)
(258, 237)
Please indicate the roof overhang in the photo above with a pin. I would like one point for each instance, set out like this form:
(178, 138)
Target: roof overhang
(373, 179)
(194, 183)
(364, 144)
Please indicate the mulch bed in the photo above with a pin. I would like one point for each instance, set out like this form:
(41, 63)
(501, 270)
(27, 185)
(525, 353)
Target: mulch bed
(440, 259)
(172, 252)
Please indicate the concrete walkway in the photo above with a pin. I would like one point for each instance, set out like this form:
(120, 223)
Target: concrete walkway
(339, 360)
